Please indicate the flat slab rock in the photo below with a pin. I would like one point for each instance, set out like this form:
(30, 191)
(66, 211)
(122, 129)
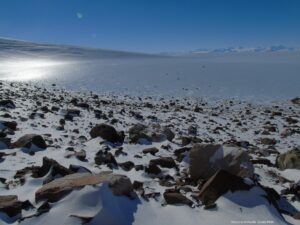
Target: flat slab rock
(10, 205)
(57, 189)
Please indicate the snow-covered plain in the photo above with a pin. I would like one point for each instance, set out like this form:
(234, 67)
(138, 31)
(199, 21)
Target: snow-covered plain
(182, 84)
(247, 75)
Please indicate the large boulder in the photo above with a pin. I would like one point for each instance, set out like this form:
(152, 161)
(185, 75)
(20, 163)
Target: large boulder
(206, 160)
(220, 183)
(107, 132)
(57, 189)
(10, 205)
(28, 140)
(289, 160)
(154, 133)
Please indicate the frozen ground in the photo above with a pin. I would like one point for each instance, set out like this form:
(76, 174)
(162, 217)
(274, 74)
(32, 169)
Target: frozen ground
(217, 121)
(239, 98)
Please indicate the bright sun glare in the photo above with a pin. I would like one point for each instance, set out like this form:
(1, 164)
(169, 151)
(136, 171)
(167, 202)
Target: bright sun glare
(23, 70)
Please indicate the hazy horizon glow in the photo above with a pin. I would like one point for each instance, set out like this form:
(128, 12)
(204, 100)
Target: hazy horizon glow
(153, 26)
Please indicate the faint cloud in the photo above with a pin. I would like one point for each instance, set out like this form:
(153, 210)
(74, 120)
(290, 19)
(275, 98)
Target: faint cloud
(79, 15)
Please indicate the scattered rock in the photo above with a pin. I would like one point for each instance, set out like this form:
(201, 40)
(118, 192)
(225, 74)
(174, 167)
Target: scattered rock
(105, 158)
(28, 140)
(268, 141)
(10, 205)
(127, 166)
(152, 151)
(220, 183)
(107, 132)
(5, 143)
(289, 160)
(173, 198)
(9, 124)
(167, 162)
(7, 103)
(57, 189)
(81, 155)
(153, 169)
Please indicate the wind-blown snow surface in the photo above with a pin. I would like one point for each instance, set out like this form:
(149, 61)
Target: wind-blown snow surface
(247, 75)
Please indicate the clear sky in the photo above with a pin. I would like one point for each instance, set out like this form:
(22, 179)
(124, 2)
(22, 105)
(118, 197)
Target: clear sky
(153, 25)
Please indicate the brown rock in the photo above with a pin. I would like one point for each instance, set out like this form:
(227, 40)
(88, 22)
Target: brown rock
(10, 205)
(219, 184)
(57, 189)
(173, 198)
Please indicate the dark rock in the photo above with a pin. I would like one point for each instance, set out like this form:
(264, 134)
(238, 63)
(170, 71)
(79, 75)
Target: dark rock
(173, 198)
(137, 185)
(139, 167)
(9, 124)
(152, 169)
(7, 103)
(268, 141)
(105, 158)
(5, 142)
(262, 161)
(152, 151)
(44, 208)
(219, 184)
(40, 171)
(127, 166)
(27, 140)
(107, 132)
(10, 205)
(81, 155)
(296, 101)
(166, 162)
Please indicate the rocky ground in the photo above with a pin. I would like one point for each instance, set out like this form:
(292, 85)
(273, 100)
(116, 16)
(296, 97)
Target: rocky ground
(83, 158)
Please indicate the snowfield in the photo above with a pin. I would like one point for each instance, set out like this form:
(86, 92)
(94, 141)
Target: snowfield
(91, 136)
(64, 120)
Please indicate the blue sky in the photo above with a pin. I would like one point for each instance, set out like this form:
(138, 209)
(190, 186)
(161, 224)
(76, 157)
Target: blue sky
(153, 25)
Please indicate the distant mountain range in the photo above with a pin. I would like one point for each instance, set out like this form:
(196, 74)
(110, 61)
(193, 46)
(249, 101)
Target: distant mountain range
(18, 48)
(274, 48)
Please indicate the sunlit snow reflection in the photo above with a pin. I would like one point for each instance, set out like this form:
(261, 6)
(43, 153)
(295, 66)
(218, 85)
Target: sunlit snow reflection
(30, 69)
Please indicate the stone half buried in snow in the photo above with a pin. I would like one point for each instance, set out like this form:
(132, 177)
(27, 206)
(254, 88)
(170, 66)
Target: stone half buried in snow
(28, 140)
(10, 205)
(220, 183)
(108, 133)
(206, 160)
(153, 133)
(57, 189)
